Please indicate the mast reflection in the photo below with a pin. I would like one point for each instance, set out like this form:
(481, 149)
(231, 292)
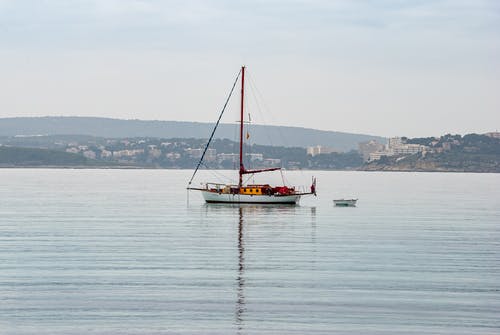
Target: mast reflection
(240, 302)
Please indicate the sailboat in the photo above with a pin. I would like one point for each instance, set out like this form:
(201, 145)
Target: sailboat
(247, 193)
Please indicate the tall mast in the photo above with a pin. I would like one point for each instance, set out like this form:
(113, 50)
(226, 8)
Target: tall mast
(242, 168)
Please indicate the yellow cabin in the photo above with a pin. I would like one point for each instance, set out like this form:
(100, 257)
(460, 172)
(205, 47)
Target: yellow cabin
(251, 190)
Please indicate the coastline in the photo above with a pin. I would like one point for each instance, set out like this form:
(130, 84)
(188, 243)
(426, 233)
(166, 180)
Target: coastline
(131, 167)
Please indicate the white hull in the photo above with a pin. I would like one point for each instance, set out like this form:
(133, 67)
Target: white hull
(249, 199)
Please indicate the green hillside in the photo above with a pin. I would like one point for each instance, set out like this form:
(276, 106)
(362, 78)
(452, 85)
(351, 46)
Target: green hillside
(24, 157)
(448, 153)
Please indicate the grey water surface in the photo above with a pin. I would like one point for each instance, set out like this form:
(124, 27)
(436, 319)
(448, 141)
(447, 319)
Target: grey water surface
(126, 252)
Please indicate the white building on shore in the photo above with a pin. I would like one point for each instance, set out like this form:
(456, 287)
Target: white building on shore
(397, 147)
(494, 134)
(369, 147)
(319, 149)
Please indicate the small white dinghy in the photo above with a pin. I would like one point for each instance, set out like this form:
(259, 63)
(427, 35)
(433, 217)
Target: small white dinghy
(345, 202)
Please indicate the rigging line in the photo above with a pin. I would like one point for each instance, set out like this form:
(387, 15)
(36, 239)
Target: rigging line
(215, 128)
(248, 144)
(248, 178)
(217, 174)
(253, 89)
(282, 177)
(268, 111)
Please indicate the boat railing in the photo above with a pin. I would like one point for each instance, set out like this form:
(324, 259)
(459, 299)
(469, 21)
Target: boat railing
(304, 190)
(207, 185)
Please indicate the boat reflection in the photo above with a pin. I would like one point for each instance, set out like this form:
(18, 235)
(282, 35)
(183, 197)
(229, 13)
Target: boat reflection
(250, 217)
(253, 210)
(240, 290)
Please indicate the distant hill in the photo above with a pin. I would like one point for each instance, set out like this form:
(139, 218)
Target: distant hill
(105, 127)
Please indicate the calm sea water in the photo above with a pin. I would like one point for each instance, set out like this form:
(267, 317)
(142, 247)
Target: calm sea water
(123, 252)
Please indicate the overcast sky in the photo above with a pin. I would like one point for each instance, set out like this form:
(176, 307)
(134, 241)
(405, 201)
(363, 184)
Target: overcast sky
(389, 68)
